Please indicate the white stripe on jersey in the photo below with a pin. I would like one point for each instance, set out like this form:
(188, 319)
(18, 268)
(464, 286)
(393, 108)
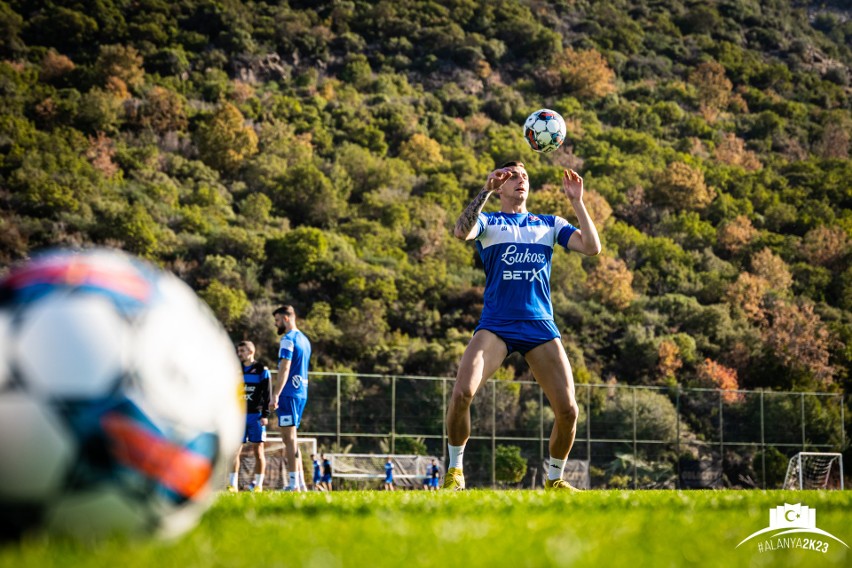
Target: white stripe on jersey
(538, 230)
(537, 234)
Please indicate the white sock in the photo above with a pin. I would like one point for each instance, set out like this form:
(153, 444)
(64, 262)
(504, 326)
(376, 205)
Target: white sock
(555, 468)
(232, 479)
(301, 479)
(456, 455)
(258, 480)
(293, 483)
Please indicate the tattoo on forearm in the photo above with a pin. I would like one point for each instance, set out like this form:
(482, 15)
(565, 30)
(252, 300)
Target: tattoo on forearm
(471, 213)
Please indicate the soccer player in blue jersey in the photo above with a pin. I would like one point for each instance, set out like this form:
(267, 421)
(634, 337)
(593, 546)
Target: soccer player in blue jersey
(294, 357)
(516, 248)
(317, 474)
(389, 475)
(257, 388)
(434, 475)
(325, 480)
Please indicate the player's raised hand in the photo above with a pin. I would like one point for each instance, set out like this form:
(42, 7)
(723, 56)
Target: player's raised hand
(496, 179)
(572, 185)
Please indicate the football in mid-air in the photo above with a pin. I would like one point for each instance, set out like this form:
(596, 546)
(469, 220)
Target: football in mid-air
(118, 398)
(544, 130)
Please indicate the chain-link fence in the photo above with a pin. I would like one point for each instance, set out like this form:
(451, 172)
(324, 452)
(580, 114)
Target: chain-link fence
(634, 437)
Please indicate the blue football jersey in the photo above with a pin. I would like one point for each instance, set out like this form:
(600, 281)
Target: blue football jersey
(516, 249)
(296, 347)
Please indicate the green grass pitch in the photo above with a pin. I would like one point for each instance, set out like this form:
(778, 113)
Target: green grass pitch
(371, 529)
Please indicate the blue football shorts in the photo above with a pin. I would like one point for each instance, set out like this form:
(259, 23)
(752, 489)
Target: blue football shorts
(255, 431)
(290, 411)
(433, 482)
(521, 335)
(325, 478)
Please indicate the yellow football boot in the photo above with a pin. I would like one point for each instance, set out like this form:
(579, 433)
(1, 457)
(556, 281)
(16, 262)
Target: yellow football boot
(454, 480)
(560, 484)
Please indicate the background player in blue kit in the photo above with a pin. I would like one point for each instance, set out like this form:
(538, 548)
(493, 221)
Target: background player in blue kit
(516, 247)
(389, 475)
(434, 475)
(257, 388)
(325, 480)
(294, 357)
(317, 475)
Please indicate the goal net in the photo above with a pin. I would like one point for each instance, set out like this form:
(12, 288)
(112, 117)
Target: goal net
(368, 470)
(276, 462)
(814, 470)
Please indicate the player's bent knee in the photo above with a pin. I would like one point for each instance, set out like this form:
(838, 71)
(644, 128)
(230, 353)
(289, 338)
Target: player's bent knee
(462, 396)
(569, 414)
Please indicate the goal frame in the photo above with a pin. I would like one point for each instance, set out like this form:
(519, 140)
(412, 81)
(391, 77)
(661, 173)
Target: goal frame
(276, 470)
(380, 474)
(412, 479)
(797, 460)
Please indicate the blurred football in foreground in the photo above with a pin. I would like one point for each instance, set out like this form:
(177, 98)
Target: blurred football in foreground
(118, 398)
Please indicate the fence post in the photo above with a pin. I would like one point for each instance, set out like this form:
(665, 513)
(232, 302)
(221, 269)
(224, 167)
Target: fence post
(540, 423)
(762, 442)
(393, 415)
(801, 473)
(338, 411)
(721, 432)
(493, 433)
(635, 449)
(677, 436)
(842, 424)
(444, 420)
(589, 428)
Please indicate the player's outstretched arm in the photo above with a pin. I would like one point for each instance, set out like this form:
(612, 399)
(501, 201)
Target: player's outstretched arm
(586, 240)
(465, 228)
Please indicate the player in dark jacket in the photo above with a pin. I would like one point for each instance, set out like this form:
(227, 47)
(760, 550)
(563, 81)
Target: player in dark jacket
(325, 480)
(258, 387)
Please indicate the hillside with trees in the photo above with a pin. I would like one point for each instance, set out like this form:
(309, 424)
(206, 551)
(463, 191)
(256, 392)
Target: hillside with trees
(318, 153)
